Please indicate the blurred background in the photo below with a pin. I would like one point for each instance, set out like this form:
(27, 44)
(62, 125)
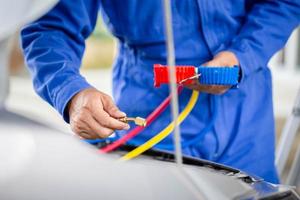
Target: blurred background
(96, 67)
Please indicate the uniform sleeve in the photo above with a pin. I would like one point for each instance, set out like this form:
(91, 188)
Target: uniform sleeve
(265, 31)
(53, 47)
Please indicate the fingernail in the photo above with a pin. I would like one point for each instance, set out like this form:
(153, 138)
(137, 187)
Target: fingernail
(121, 113)
(127, 127)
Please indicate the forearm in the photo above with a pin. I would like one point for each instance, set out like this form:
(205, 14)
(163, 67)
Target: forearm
(53, 48)
(265, 31)
(55, 72)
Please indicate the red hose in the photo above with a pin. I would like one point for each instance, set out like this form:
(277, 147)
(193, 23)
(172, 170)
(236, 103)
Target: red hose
(138, 129)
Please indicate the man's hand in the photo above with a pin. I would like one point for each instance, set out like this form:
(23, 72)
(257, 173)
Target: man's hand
(224, 58)
(93, 114)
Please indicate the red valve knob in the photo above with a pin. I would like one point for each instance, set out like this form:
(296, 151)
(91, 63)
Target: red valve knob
(161, 74)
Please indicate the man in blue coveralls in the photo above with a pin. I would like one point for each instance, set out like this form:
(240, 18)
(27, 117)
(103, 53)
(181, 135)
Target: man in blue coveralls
(218, 33)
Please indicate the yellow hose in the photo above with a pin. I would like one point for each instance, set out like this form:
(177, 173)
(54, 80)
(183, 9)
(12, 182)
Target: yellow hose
(164, 133)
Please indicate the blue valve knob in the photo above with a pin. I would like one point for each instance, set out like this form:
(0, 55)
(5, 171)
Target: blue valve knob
(218, 75)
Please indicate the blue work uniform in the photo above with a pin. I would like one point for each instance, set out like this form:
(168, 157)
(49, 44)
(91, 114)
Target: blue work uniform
(242, 134)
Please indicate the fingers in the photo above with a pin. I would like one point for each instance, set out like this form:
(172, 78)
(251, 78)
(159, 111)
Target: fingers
(93, 115)
(87, 127)
(95, 124)
(105, 120)
(111, 108)
(79, 125)
(96, 129)
(211, 89)
(223, 59)
(85, 135)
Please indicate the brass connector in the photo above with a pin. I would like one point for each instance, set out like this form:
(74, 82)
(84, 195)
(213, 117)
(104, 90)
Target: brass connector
(137, 120)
